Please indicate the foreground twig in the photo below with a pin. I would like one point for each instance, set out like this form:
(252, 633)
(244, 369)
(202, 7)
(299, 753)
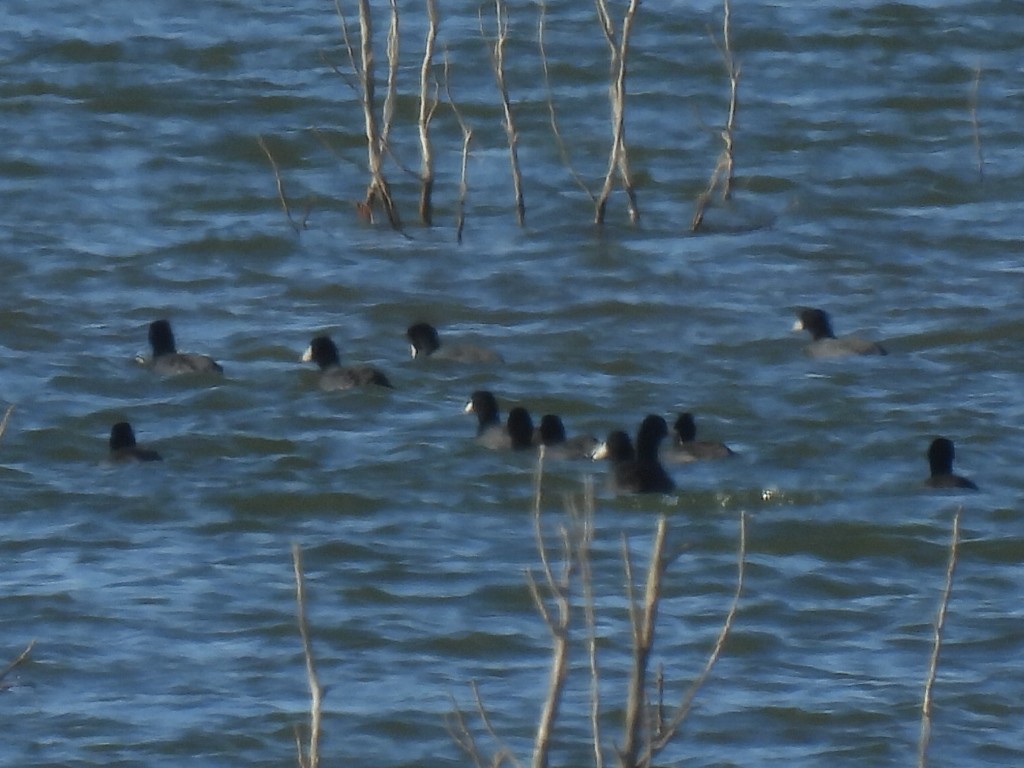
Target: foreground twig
(585, 521)
(558, 625)
(940, 620)
(665, 731)
(21, 656)
(498, 64)
(643, 640)
(618, 158)
(311, 758)
(722, 175)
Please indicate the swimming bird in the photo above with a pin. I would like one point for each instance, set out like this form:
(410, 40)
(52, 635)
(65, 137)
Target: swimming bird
(940, 460)
(168, 360)
(425, 342)
(686, 446)
(551, 434)
(123, 447)
(516, 433)
(637, 471)
(333, 375)
(824, 342)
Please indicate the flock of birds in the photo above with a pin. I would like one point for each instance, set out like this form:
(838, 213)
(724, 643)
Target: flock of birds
(635, 467)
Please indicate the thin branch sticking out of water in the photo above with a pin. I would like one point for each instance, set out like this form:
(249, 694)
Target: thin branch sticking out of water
(310, 758)
(933, 665)
(300, 225)
(6, 418)
(980, 159)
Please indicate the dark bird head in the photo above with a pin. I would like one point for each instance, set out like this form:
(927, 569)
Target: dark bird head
(161, 338)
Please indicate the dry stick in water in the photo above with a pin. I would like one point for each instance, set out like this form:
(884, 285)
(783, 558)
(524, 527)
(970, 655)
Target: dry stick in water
(563, 151)
(388, 110)
(558, 626)
(5, 419)
(643, 639)
(618, 158)
(298, 226)
(940, 620)
(585, 518)
(427, 108)
(311, 758)
(723, 172)
(28, 648)
(974, 122)
(467, 137)
(665, 732)
(378, 189)
(498, 64)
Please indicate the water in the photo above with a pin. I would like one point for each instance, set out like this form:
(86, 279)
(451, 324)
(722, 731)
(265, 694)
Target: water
(161, 596)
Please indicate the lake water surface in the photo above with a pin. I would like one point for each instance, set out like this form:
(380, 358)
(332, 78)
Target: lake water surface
(879, 175)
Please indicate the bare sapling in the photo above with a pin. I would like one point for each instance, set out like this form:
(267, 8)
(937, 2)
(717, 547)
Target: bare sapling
(722, 176)
(497, 52)
(618, 156)
(428, 105)
(933, 664)
(308, 757)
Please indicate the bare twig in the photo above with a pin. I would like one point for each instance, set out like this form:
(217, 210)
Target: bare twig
(665, 733)
(298, 226)
(378, 190)
(618, 156)
(21, 656)
(427, 108)
(723, 173)
(585, 521)
(311, 758)
(498, 64)
(467, 137)
(388, 110)
(6, 418)
(558, 592)
(643, 640)
(974, 122)
(563, 150)
(940, 620)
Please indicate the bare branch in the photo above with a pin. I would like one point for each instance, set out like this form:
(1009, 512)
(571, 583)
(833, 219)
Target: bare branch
(281, 196)
(6, 418)
(644, 640)
(378, 189)
(388, 111)
(28, 648)
(618, 159)
(427, 109)
(312, 756)
(665, 733)
(563, 150)
(498, 65)
(585, 518)
(940, 621)
(723, 172)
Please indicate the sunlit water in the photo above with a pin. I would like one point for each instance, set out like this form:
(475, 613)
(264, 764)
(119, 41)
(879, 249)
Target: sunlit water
(162, 597)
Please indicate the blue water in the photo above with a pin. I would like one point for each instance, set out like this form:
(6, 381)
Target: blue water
(161, 597)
